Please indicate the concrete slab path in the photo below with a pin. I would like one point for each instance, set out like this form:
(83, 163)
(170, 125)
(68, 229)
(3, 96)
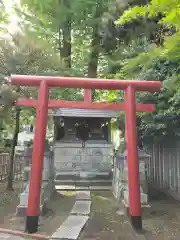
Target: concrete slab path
(6, 236)
(81, 208)
(71, 228)
(73, 225)
(83, 195)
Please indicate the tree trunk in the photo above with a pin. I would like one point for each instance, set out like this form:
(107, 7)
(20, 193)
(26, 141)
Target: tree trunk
(67, 43)
(95, 44)
(14, 144)
(65, 37)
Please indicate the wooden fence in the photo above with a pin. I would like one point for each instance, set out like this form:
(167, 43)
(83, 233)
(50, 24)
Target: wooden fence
(164, 166)
(4, 166)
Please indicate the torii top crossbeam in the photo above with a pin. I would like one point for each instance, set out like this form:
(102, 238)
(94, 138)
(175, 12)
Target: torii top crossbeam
(88, 83)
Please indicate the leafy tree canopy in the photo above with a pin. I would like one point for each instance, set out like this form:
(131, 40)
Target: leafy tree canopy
(144, 59)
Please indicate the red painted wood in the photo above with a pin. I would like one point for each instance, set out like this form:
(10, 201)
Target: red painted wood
(88, 83)
(38, 151)
(132, 154)
(83, 105)
(87, 96)
(25, 102)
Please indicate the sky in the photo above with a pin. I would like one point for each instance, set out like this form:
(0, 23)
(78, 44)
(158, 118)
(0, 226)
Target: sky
(13, 25)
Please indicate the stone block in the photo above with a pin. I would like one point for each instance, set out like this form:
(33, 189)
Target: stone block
(44, 185)
(124, 176)
(142, 176)
(45, 175)
(47, 186)
(23, 199)
(144, 198)
(46, 164)
(21, 211)
(142, 165)
(45, 195)
(83, 174)
(27, 171)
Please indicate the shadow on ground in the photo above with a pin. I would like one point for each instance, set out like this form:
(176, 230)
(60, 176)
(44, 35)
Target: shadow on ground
(162, 220)
(57, 211)
(105, 223)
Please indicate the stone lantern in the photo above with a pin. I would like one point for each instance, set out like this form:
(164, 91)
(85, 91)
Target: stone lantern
(121, 182)
(47, 185)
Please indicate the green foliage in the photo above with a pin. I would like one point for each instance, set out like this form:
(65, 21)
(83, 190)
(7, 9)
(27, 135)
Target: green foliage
(127, 50)
(168, 8)
(148, 61)
(22, 55)
(49, 17)
(131, 14)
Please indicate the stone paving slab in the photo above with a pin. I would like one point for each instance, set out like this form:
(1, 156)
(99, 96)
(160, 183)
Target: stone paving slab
(6, 236)
(81, 208)
(81, 188)
(100, 188)
(65, 187)
(71, 228)
(15, 238)
(83, 195)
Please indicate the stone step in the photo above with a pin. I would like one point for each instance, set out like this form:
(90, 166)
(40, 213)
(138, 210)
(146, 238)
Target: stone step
(85, 182)
(76, 176)
(65, 187)
(82, 188)
(100, 188)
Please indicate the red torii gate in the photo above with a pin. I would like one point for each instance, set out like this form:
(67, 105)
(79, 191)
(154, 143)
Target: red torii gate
(42, 104)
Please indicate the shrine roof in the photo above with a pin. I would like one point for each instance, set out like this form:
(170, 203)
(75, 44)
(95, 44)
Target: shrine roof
(66, 112)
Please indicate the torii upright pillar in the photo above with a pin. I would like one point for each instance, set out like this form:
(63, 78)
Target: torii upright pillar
(132, 157)
(33, 210)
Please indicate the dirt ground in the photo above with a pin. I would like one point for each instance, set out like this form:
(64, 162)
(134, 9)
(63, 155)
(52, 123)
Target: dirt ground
(105, 223)
(8, 201)
(107, 220)
(160, 222)
(58, 210)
